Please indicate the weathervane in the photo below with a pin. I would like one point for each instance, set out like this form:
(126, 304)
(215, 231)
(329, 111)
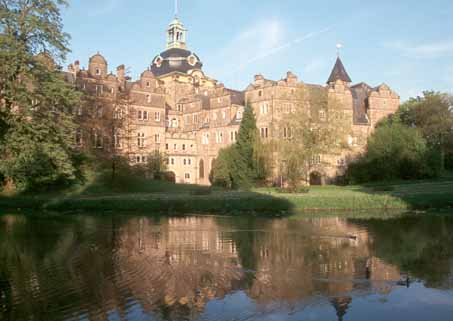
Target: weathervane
(339, 47)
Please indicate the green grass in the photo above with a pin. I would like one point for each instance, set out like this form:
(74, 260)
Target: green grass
(153, 197)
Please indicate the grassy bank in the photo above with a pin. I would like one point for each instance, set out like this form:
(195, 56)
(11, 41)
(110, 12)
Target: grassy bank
(163, 197)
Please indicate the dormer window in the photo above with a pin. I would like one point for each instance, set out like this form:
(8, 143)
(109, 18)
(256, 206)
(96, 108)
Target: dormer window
(192, 60)
(98, 72)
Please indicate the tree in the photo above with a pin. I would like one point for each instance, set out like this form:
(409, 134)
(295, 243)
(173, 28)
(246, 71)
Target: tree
(432, 114)
(241, 164)
(395, 151)
(157, 165)
(36, 103)
(306, 132)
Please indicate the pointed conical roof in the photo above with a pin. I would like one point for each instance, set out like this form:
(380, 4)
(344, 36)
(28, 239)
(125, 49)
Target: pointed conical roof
(339, 73)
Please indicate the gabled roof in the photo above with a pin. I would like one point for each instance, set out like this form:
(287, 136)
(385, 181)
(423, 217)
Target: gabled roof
(339, 73)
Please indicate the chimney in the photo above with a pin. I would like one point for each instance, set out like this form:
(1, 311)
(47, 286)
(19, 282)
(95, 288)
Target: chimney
(121, 73)
(259, 80)
(76, 66)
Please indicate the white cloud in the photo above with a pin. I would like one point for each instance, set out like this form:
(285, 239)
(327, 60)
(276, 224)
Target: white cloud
(258, 42)
(425, 50)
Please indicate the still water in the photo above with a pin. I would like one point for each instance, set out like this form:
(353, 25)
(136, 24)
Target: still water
(209, 268)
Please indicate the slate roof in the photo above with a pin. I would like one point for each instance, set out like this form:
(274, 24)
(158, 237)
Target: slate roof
(175, 59)
(339, 73)
(360, 93)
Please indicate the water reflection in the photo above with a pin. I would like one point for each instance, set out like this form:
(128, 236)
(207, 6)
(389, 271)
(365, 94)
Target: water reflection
(206, 268)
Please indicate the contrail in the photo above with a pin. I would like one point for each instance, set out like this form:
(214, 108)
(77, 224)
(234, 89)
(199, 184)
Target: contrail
(274, 50)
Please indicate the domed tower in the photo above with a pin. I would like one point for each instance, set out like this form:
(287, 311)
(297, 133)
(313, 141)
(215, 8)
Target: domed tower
(97, 66)
(176, 58)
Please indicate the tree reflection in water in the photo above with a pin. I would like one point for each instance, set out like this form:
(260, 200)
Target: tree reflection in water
(136, 268)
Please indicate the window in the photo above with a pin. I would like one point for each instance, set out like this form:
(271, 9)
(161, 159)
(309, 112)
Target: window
(260, 93)
(187, 175)
(97, 139)
(195, 119)
(223, 114)
(341, 162)
(201, 169)
(315, 160)
(117, 140)
(112, 91)
(219, 137)
(264, 132)
(148, 98)
(117, 113)
(287, 133)
(99, 111)
(183, 146)
(166, 146)
(172, 161)
(141, 140)
(264, 108)
(179, 107)
(142, 115)
(205, 139)
(98, 71)
(99, 90)
(157, 138)
(148, 84)
(322, 115)
(78, 137)
(239, 114)
(157, 116)
(189, 161)
(175, 147)
(141, 159)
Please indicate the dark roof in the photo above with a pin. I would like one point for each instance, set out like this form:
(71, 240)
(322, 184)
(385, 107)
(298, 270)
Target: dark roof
(237, 97)
(175, 59)
(360, 93)
(338, 73)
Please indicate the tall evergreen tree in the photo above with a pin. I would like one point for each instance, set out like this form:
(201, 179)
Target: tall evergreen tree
(237, 166)
(36, 103)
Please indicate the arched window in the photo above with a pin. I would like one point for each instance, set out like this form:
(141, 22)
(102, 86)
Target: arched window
(201, 169)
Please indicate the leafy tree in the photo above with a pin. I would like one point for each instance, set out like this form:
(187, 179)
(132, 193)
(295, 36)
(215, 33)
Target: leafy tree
(395, 151)
(432, 114)
(223, 168)
(157, 165)
(36, 125)
(304, 135)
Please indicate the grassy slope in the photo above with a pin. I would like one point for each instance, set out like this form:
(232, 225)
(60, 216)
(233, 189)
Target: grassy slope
(152, 196)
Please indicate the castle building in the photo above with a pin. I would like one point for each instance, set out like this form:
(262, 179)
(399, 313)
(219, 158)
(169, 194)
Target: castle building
(176, 109)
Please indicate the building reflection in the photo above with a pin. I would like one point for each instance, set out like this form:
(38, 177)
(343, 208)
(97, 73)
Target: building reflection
(172, 268)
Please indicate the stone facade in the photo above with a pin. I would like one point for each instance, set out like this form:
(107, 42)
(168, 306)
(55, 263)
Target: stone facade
(178, 110)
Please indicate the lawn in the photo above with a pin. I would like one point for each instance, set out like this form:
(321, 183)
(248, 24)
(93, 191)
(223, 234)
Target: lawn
(127, 194)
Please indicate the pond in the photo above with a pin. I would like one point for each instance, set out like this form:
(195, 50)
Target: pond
(122, 267)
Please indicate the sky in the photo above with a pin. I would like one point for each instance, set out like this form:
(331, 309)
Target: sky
(407, 44)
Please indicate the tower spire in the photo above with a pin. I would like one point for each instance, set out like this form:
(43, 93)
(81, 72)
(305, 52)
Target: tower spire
(339, 47)
(176, 32)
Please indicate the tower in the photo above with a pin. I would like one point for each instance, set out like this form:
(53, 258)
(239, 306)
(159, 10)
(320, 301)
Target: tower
(176, 32)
